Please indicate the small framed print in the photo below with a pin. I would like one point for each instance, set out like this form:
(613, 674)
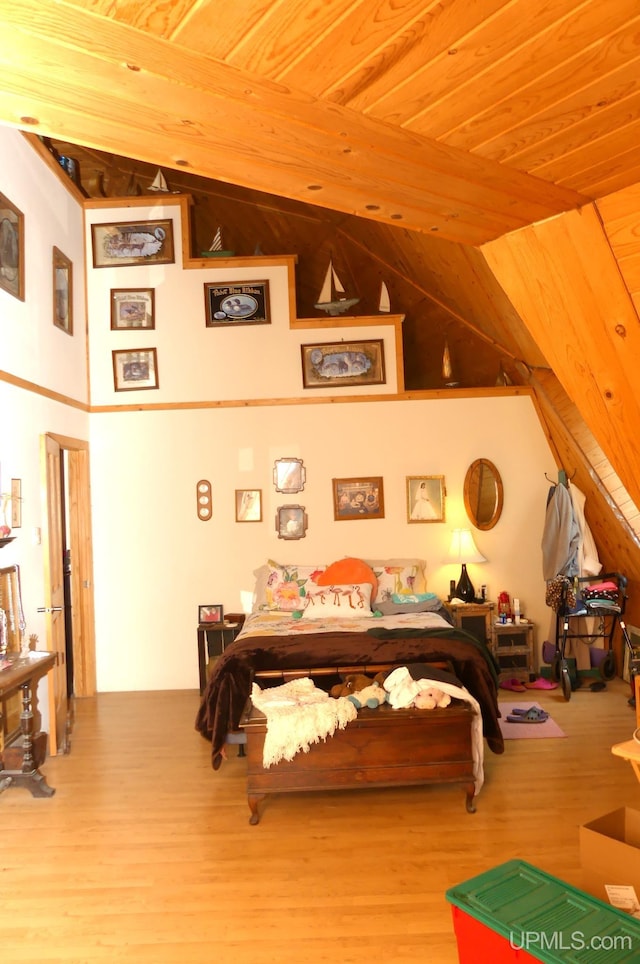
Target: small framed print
(289, 475)
(358, 498)
(11, 248)
(62, 291)
(135, 370)
(339, 363)
(211, 614)
(132, 308)
(248, 505)
(16, 503)
(291, 522)
(242, 303)
(425, 498)
(132, 242)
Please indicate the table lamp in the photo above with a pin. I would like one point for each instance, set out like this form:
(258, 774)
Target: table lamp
(464, 550)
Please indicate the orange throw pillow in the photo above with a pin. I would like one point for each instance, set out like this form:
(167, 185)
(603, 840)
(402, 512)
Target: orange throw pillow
(346, 571)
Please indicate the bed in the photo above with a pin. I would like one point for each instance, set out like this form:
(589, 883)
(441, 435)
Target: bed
(312, 622)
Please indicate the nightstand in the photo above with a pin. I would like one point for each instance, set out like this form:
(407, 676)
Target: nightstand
(475, 618)
(213, 638)
(513, 647)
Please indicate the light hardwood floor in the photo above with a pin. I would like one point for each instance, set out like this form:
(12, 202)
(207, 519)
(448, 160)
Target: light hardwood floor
(146, 854)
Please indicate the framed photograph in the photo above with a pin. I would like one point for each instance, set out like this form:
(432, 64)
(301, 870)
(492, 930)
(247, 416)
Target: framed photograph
(11, 248)
(336, 364)
(210, 614)
(291, 522)
(16, 503)
(135, 370)
(132, 308)
(248, 505)
(62, 291)
(425, 498)
(289, 475)
(242, 303)
(358, 498)
(132, 242)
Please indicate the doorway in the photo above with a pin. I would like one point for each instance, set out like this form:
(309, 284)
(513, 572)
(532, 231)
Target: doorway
(68, 559)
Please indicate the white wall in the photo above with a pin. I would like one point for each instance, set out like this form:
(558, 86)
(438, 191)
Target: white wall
(155, 561)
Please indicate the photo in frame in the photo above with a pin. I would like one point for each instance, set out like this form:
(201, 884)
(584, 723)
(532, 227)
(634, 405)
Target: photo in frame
(425, 498)
(359, 498)
(289, 475)
(16, 503)
(239, 303)
(133, 308)
(337, 364)
(248, 505)
(291, 522)
(62, 291)
(11, 248)
(135, 370)
(211, 614)
(132, 242)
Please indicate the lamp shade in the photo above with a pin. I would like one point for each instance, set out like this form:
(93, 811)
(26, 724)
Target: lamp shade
(463, 550)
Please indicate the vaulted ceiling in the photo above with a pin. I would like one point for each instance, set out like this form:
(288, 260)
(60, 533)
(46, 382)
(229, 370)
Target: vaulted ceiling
(404, 138)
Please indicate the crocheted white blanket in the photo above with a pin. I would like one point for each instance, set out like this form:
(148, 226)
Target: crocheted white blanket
(298, 715)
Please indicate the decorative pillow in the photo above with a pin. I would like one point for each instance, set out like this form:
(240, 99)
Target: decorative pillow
(403, 577)
(418, 603)
(285, 586)
(349, 570)
(346, 601)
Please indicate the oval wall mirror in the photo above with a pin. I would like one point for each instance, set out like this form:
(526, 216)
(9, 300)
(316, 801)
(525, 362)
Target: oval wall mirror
(483, 494)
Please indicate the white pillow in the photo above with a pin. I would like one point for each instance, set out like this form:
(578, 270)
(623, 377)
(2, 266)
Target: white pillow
(347, 602)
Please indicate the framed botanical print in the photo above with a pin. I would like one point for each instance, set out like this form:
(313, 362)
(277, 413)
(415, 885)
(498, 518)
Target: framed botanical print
(62, 291)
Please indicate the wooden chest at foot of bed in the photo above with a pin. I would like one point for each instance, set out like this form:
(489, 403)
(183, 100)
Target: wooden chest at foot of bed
(383, 747)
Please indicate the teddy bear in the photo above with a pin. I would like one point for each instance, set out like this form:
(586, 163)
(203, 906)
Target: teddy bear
(361, 690)
(431, 697)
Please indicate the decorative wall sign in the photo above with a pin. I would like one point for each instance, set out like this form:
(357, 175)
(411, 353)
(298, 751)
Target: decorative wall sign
(242, 303)
(291, 522)
(335, 364)
(11, 248)
(132, 308)
(132, 242)
(358, 498)
(135, 370)
(62, 291)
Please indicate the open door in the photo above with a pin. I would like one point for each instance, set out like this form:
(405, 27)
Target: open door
(68, 519)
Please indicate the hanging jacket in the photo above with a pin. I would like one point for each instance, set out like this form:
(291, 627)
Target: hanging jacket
(561, 535)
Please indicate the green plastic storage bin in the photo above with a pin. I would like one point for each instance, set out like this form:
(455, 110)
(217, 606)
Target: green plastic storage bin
(516, 912)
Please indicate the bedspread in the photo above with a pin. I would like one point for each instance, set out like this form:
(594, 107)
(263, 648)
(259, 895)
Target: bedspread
(229, 685)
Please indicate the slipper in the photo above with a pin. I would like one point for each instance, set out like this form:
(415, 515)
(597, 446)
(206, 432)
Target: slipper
(512, 684)
(541, 684)
(532, 715)
(520, 711)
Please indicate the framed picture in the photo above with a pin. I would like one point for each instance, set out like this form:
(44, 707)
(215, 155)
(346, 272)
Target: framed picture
(132, 308)
(244, 303)
(211, 614)
(289, 475)
(16, 503)
(11, 248)
(62, 291)
(248, 505)
(291, 522)
(358, 498)
(135, 370)
(339, 363)
(132, 242)
(425, 498)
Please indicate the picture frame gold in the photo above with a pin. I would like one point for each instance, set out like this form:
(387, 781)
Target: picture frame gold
(291, 522)
(248, 505)
(133, 309)
(339, 364)
(121, 243)
(11, 248)
(426, 496)
(289, 475)
(135, 370)
(62, 291)
(358, 498)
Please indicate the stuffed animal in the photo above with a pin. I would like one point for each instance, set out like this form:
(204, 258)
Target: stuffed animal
(361, 690)
(431, 697)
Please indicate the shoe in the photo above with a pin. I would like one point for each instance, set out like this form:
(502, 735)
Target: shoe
(541, 684)
(515, 685)
(532, 715)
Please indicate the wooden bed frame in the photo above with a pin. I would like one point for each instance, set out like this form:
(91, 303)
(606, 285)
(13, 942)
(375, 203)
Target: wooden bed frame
(383, 747)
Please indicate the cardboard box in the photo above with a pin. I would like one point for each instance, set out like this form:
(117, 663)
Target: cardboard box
(610, 852)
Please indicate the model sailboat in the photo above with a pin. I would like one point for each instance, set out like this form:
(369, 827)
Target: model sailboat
(216, 250)
(385, 301)
(332, 298)
(159, 183)
(447, 368)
